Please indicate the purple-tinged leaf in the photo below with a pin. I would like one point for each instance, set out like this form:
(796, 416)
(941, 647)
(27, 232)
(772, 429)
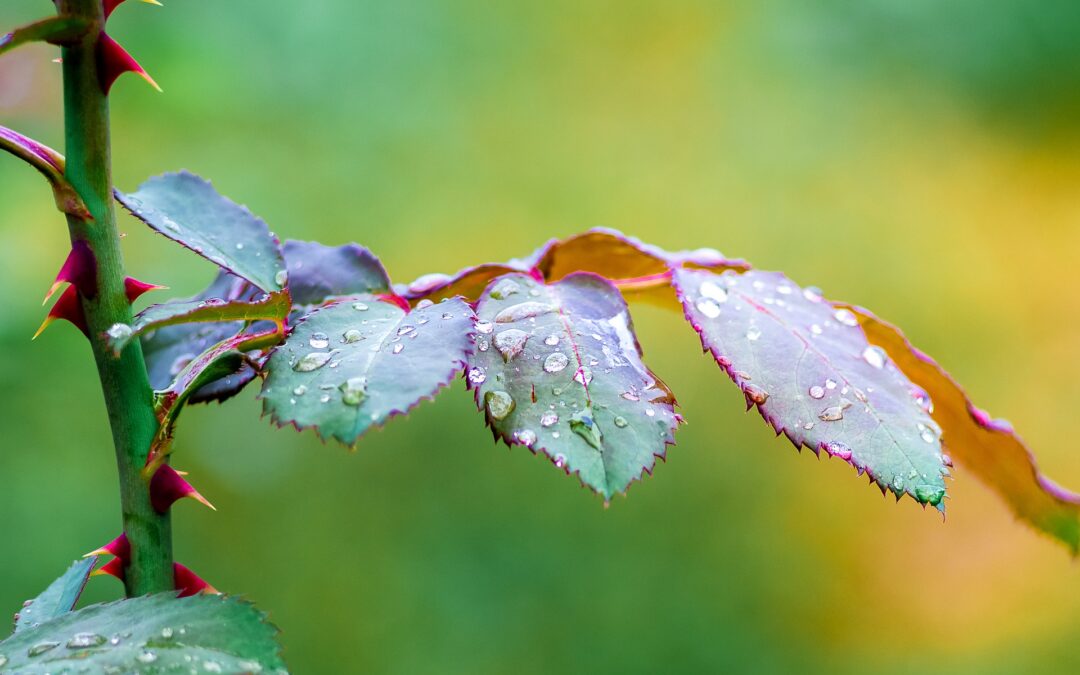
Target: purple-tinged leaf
(58, 599)
(357, 362)
(318, 273)
(558, 369)
(986, 447)
(57, 30)
(468, 283)
(51, 165)
(187, 209)
(814, 377)
(273, 307)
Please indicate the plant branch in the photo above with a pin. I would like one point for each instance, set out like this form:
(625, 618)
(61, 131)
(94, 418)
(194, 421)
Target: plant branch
(128, 396)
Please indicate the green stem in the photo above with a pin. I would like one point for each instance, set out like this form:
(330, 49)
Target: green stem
(128, 396)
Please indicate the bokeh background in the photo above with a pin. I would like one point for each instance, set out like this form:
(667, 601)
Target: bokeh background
(916, 156)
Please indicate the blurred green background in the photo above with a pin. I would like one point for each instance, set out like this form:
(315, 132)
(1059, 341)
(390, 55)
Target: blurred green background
(918, 157)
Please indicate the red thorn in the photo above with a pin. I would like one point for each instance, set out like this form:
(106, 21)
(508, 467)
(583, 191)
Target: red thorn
(166, 487)
(68, 308)
(134, 288)
(394, 299)
(113, 568)
(189, 583)
(118, 547)
(110, 5)
(79, 269)
(114, 61)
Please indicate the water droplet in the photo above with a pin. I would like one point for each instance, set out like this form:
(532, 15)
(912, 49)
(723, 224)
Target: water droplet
(300, 390)
(816, 329)
(713, 292)
(830, 384)
(523, 310)
(808, 426)
(555, 362)
(313, 361)
(835, 413)
(756, 393)
(929, 494)
(405, 330)
(3, 660)
(649, 412)
(319, 341)
(812, 293)
(753, 334)
(239, 247)
(325, 398)
(398, 348)
(353, 391)
(709, 308)
(352, 335)
(946, 460)
(119, 331)
(511, 342)
(817, 392)
(846, 317)
(360, 307)
(482, 344)
(477, 376)
(211, 666)
(926, 433)
(526, 437)
(922, 399)
(281, 278)
(170, 223)
(84, 640)
(583, 425)
(620, 421)
(427, 282)
(838, 449)
(505, 289)
(551, 340)
(548, 419)
(583, 376)
(630, 396)
(42, 647)
(875, 356)
(560, 460)
(447, 316)
(898, 483)
(499, 404)
(166, 633)
(484, 327)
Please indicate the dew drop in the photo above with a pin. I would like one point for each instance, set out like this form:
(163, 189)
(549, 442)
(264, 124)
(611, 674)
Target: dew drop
(838, 449)
(300, 390)
(353, 391)
(929, 494)
(630, 396)
(709, 308)
(555, 362)
(406, 329)
(526, 437)
(85, 640)
(846, 317)
(875, 356)
(898, 483)
(360, 307)
(398, 348)
(560, 460)
(753, 334)
(482, 344)
(812, 293)
(477, 376)
(523, 310)
(835, 413)
(756, 393)
(713, 292)
(239, 247)
(583, 376)
(424, 304)
(583, 424)
(281, 278)
(830, 384)
(119, 331)
(352, 335)
(484, 327)
(427, 282)
(499, 404)
(510, 343)
(505, 289)
(620, 421)
(313, 361)
(319, 341)
(551, 340)
(42, 647)
(817, 392)
(3, 660)
(926, 433)
(548, 419)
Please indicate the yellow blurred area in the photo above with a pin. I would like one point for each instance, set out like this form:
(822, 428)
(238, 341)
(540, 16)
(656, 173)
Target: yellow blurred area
(918, 159)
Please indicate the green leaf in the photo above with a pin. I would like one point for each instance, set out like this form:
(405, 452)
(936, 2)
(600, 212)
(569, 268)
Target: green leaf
(558, 369)
(158, 633)
(58, 598)
(51, 165)
(187, 209)
(355, 363)
(318, 272)
(814, 377)
(55, 30)
(273, 307)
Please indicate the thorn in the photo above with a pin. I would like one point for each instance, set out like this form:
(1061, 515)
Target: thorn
(189, 583)
(110, 5)
(79, 269)
(134, 288)
(68, 308)
(113, 568)
(166, 487)
(114, 61)
(118, 547)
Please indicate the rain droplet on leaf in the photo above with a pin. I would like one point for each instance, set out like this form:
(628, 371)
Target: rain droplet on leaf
(555, 362)
(353, 391)
(499, 404)
(313, 361)
(583, 424)
(510, 343)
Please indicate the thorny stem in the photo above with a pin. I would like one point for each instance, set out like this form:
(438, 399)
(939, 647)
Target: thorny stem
(128, 396)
